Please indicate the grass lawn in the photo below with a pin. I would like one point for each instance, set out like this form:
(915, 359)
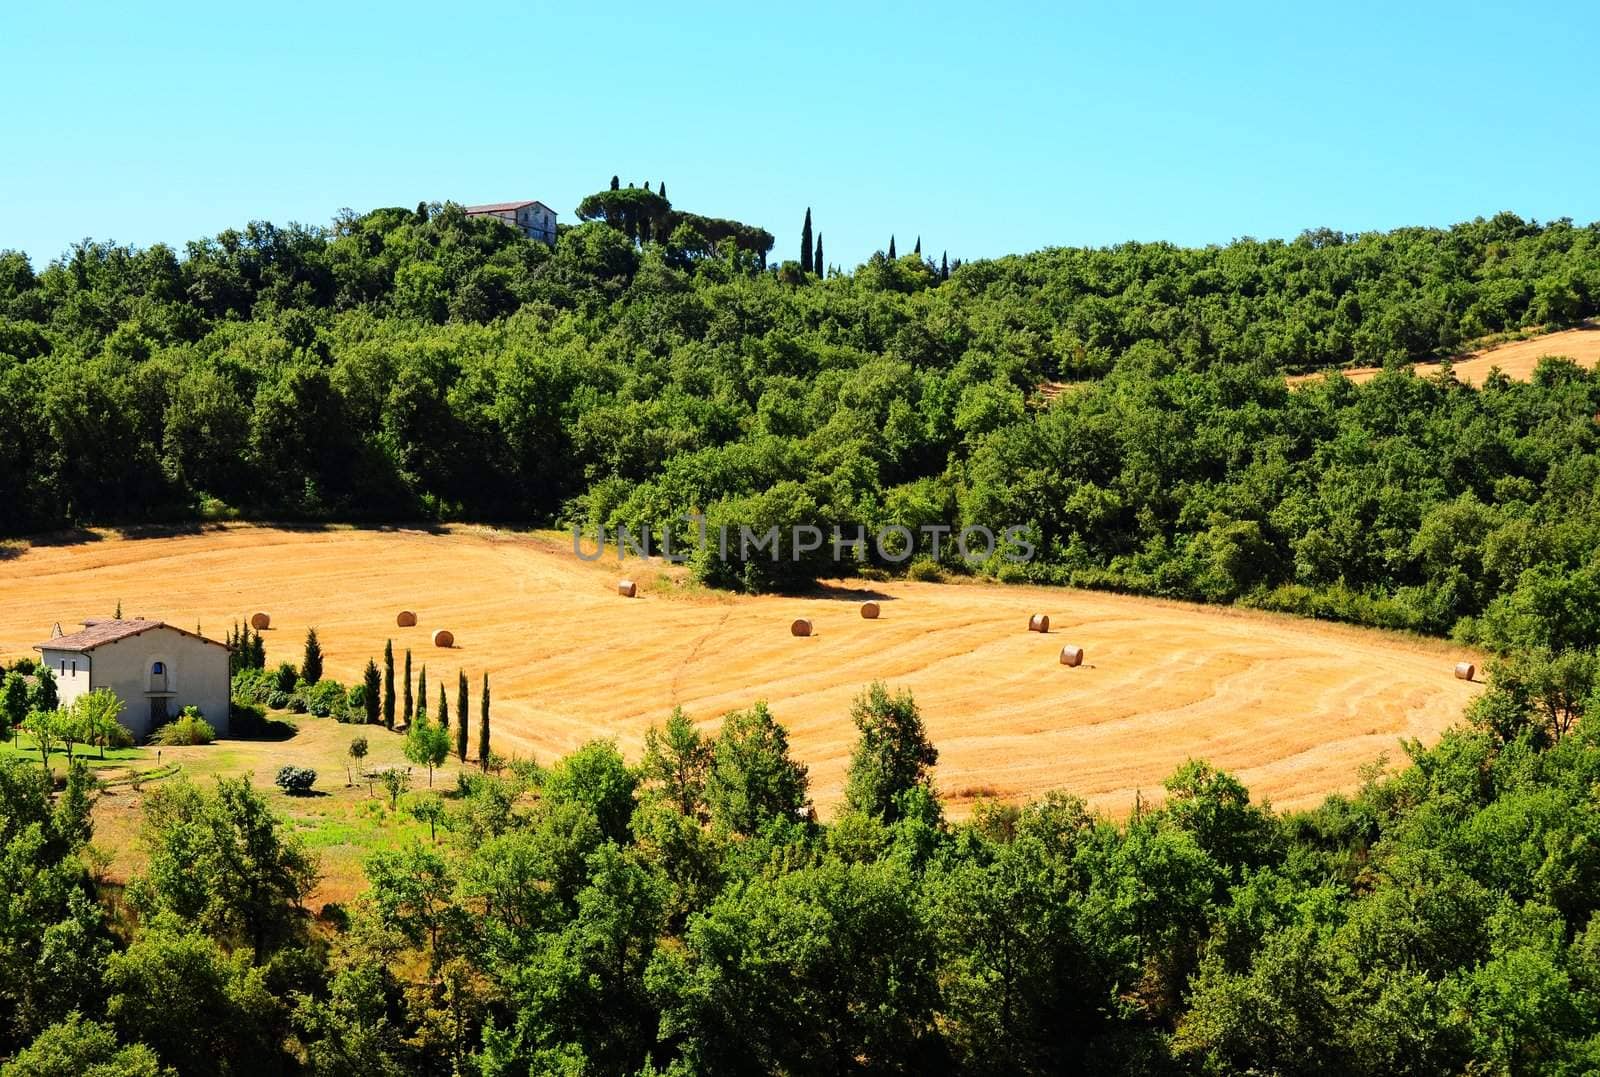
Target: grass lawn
(24, 746)
(341, 823)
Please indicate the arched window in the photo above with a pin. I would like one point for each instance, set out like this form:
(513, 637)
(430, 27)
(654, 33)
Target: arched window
(159, 669)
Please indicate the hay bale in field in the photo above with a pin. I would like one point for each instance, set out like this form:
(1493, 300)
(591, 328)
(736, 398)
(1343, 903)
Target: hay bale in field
(801, 627)
(444, 638)
(870, 610)
(627, 588)
(406, 619)
(1039, 622)
(1465, 671)
(1071, 656)
(260, 620)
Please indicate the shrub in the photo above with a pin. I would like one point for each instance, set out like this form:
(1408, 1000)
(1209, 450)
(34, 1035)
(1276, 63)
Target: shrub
(925, 570)
(325, 699)
(278, 700)
(297, 703)
(286, 677)
(189, 729)
(296, 781)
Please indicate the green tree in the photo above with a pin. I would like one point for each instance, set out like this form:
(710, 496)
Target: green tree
(596, 778)
(892, 755)
(483, 725)
(427, 809)
(95, 717)
(357, 752)
(806, 251)
(43, 696)
(752, 778)
(371, 686)
(463, 718)
(13, 702)
(311, 666)
(406, 713)
(817, 262)
(388, 683)
(676, 762)
(427, 742)
(78, 1047)
(422, 693)
(222, 861)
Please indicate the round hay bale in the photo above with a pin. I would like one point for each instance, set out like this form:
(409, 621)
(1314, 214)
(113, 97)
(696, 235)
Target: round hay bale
(1039, 622)
(627, 588)
(1071, 656)
(260, 620)
(1465, 671)
(444, 638)
(800, 627)
(406, 619)
(870, 610)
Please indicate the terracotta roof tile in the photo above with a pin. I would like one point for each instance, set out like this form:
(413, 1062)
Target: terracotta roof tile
(97, 632)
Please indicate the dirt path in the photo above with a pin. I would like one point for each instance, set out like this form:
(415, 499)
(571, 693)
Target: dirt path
(1516, 358)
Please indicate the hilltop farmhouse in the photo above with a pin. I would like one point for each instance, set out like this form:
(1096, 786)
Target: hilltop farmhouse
(533, 219)
(155, 668)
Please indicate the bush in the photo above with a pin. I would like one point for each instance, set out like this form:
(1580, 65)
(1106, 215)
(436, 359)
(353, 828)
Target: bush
(296, 781)
(278, 700)
(286, 677)
(325, 699)
(925, 570)
(297, 703)
(189, 729)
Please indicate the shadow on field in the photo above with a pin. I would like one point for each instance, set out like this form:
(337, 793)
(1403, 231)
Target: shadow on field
(834, 592)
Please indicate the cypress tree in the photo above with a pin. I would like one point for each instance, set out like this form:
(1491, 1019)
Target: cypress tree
(483, 725)
(422, 692)
(462, 717)
(388, 683)
(917, 250)
(370, 683)
(817, 262)
(944, 265)
(663, 191)
(444, 712)
(805, 243)
(891, 248)
(311, 668)
(615, 183)
(406, 714)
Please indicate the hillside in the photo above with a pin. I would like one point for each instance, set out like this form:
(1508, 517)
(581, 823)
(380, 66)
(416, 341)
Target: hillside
(1515, 359)
(1294, 709)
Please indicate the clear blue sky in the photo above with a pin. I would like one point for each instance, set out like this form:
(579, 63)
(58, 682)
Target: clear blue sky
(987, 128)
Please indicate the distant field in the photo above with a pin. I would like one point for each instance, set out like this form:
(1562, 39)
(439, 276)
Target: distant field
(1292, 707)
(1516, 358)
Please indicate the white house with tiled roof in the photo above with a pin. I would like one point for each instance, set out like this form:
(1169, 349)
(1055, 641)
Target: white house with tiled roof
(532, 218)
(156, 669)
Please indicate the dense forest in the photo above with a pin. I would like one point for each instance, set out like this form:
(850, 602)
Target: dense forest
(428, 365)
(688, 915)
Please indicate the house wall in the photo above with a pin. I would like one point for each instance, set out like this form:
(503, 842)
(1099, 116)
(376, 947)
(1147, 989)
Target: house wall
(72, 672)
(537, 222)
(196, 676)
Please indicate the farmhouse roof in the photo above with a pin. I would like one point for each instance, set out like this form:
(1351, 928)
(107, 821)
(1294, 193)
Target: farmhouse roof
(97, 632)
(501, 207)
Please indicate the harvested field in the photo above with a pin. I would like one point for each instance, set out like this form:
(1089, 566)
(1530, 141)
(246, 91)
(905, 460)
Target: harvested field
(1516, 358)
(1292, 707)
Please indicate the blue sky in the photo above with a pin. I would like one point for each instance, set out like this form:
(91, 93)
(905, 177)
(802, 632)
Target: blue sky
(986, 128)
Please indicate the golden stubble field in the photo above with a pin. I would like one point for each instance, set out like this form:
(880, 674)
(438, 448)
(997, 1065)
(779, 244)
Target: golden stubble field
(1516, 359)
(1292, 707)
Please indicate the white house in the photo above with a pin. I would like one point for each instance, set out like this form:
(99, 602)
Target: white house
(155, 668)
(533, 219)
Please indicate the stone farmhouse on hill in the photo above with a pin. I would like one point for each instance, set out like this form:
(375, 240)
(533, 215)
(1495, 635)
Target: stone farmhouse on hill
(156, 669)
(533, 219)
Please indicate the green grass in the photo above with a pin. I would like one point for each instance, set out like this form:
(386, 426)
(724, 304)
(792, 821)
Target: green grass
(26, 747)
